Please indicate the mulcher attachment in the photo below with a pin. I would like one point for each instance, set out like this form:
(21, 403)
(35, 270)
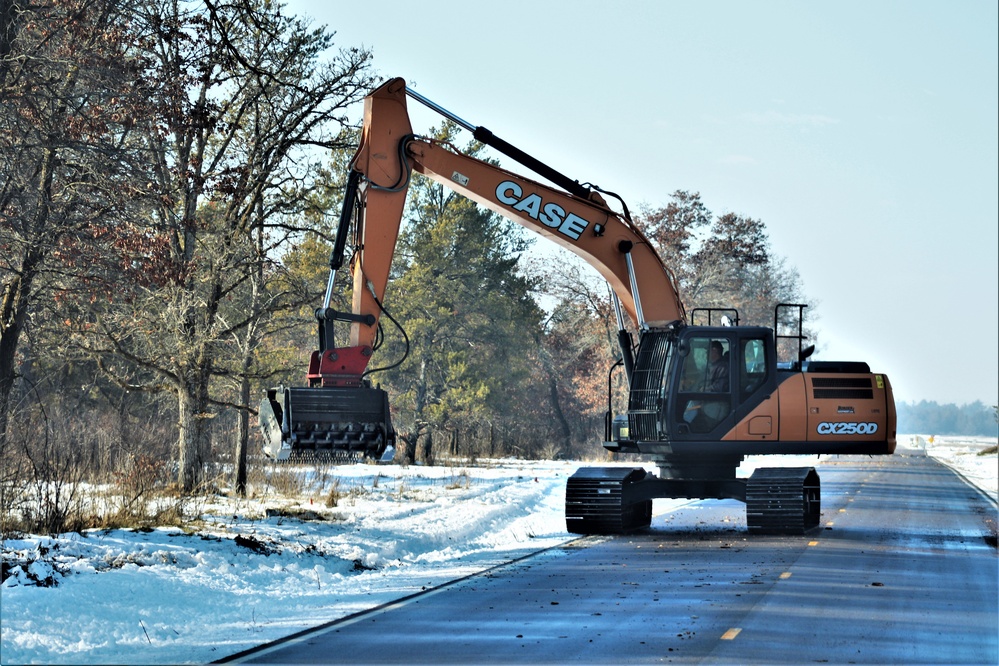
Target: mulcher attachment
(782, 500)
(341, 424)
(598, 501)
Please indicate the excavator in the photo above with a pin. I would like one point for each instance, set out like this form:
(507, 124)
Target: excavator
(701, 397)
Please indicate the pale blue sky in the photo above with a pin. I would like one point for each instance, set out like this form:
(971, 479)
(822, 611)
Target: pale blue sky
(863, 134)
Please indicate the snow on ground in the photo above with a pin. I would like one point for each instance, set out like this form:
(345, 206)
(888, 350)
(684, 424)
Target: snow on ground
(255, 571)
(962, 455)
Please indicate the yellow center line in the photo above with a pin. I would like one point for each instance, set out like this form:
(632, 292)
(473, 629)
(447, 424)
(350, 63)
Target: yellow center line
(813, 543)
(731, 634)
(785, 575)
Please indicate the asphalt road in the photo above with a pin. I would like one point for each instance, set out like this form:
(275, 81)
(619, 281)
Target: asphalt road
(902, 569)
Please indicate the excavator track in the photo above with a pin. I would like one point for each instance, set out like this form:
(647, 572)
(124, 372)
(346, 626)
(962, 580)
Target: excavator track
(597, 501)
(783, 500)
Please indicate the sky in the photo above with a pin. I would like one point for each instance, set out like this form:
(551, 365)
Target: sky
(863, 134)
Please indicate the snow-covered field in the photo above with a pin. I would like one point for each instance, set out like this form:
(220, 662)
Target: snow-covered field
(257, 570)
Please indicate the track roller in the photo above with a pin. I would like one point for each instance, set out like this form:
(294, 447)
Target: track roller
(598, 501)
(783, 500)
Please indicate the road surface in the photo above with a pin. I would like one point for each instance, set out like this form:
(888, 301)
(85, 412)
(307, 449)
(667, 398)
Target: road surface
(902, 569)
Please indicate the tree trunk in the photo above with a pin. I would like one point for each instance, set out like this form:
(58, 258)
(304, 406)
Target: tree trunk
(243, 431)
(403, 451)
(17, 293)
(421, 392)
(425, 446)
(193, 443)
(564, 430)
(12, 317)
(188, 472)
(14, 308)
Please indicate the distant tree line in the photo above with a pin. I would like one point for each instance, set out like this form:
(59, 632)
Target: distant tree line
(169, 170)
(931, 418)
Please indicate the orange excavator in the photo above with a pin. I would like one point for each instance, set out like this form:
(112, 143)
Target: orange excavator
(701, 398)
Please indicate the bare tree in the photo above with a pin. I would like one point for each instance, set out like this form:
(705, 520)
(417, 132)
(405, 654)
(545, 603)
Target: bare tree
(69, 89)
(576, 350)
(245, 98)
(721, 261)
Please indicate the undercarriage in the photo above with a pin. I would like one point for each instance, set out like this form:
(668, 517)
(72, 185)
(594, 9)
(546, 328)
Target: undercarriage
(617, 500)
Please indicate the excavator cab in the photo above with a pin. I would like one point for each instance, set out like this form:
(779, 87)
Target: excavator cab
(694, 383)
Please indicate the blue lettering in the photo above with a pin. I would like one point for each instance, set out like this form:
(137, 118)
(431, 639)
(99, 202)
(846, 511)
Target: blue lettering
(553, 214)
(508, 186)
(531, 204)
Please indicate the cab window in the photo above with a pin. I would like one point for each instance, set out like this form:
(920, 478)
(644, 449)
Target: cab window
(752, 365)
(705, 367)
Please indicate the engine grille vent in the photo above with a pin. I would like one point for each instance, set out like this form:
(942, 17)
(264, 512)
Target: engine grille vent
(842, 388)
